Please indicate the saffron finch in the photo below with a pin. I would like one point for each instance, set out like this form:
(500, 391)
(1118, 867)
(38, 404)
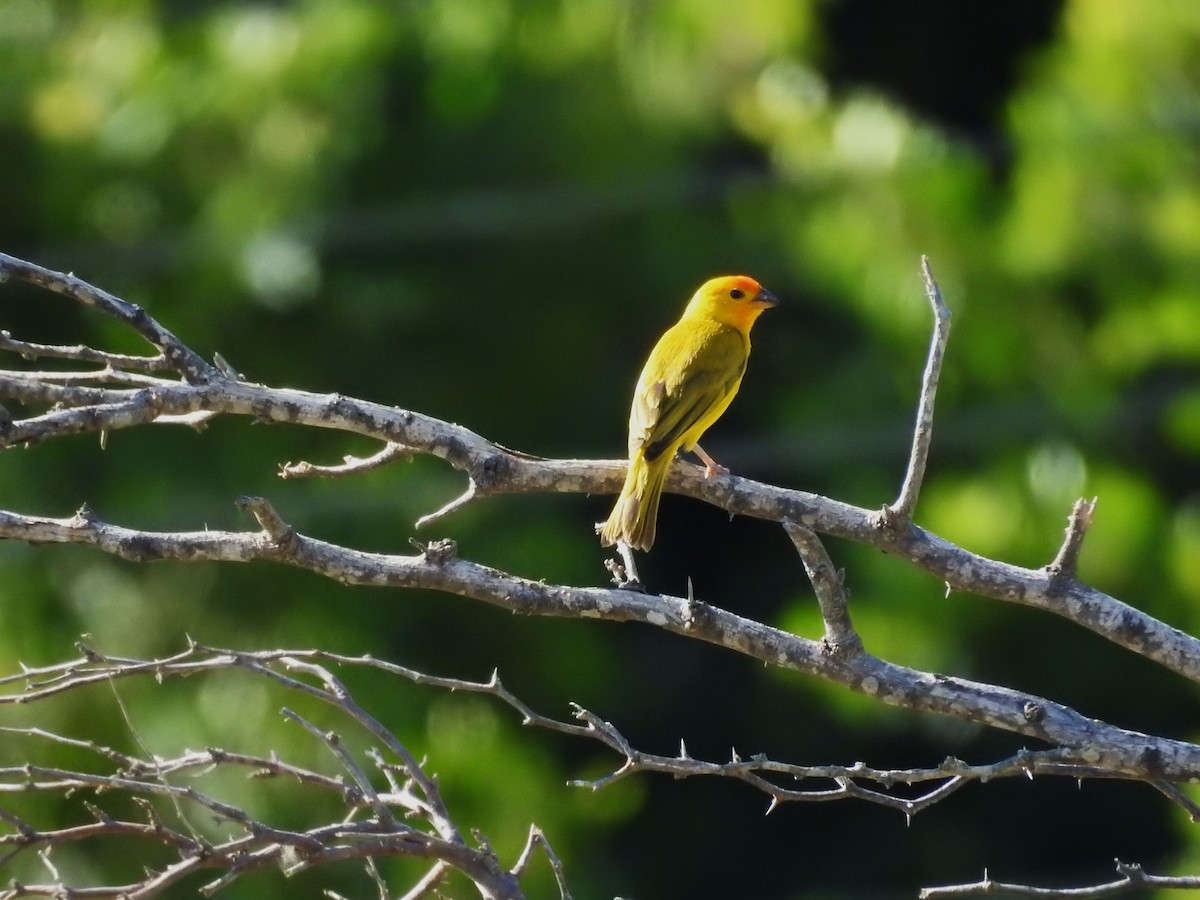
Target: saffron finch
(691, 377)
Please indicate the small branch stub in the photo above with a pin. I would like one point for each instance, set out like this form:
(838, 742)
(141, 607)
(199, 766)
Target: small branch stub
(280, 532)
(436, 553)
(1065, 564)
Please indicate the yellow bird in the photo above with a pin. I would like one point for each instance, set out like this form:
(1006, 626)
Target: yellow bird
(692, 375)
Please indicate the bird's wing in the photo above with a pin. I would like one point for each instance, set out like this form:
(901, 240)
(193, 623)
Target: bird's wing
(685, 382)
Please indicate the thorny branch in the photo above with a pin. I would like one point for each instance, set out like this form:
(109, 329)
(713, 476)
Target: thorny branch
(310, 672)
(1102, 746)
(127, 392)
(380, 817)
(1131, 878)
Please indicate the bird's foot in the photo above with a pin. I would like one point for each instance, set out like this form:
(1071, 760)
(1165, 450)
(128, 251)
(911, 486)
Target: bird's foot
(711, 466)
(624, 573)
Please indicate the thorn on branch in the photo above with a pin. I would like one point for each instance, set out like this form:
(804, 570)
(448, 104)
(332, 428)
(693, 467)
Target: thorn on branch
(695, 612)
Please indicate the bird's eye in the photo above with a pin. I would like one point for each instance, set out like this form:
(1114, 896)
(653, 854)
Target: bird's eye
(736, 294)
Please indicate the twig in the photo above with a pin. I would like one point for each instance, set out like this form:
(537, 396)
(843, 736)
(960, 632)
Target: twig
(178, 355)
(898, 515)
(756, 770)
(333, 741)
(537, 840)
(434, 806)
(1178, 797)
(1132, 878)
(830, 588)
(107, 375)
(624, 573)
(428, 883)
(260, 844)
(1065, 563)
(281, 535)
(351, 465)
(30, 350)
(457, 503)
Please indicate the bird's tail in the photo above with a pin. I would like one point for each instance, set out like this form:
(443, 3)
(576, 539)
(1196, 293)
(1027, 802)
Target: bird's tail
(635, 514)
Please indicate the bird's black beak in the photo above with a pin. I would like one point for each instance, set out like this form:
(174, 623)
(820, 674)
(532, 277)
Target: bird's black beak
(765, 299)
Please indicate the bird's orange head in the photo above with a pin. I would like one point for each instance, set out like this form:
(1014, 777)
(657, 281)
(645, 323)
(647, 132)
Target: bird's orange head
(735, 300)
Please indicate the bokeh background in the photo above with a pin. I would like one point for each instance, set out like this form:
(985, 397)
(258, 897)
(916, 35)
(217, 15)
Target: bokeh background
(486, 211)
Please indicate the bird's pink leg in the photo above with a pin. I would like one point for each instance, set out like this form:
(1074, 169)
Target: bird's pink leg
(711, 466)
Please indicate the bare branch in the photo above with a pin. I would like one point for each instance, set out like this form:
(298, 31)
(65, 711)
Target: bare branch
(496, 470)
(351, 465)
(1115, 749)
(178, 356)
(333, 741)
(829, 584)
(433, 807)
(382, 834)
(426, 833)
(898, 515)
(537, 840)
(1067, 560)
(125, 394)
(29, 350)
(1132, 878)
(429, 884)
(766, 774)
(772, 777)
(457, 503)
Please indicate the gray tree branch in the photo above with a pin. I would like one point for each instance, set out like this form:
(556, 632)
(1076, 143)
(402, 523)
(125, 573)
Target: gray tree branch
(493, 470)
(131, 392)
(1131, 878)
(377, 820)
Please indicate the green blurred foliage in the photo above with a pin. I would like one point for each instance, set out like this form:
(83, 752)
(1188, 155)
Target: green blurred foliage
(486, 210)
